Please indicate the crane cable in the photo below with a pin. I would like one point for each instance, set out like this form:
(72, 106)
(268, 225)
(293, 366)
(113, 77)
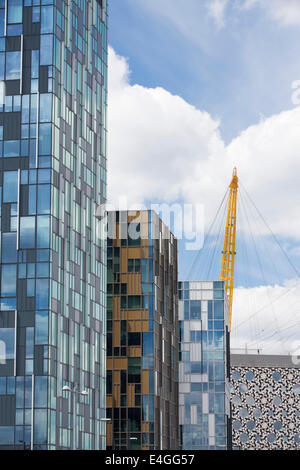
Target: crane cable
(272, 233)
(201, 250)
(260, 265)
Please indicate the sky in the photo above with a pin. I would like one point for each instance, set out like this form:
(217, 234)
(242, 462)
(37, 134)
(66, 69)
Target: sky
(197, 87)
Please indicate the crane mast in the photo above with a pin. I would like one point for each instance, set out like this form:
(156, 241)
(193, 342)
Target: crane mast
(228, 253)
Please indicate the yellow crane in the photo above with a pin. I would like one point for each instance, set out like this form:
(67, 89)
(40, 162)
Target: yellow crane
(228, 253)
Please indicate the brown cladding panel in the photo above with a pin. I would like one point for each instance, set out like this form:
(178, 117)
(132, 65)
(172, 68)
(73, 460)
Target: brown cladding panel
(134, 253)
(134, 351)
(131, 402)
(124, 258)
(116, 334)
(109, 401)
(145, 382)
(116, 395)
(120, 363)
(116, 304)
(109, 434)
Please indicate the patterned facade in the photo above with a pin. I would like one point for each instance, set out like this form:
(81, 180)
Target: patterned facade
(265, 402)
(142, 334)
(204, 391)
(53, 62)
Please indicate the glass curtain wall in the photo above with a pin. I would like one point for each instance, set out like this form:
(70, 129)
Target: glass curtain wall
(204, 395)
(53, 80)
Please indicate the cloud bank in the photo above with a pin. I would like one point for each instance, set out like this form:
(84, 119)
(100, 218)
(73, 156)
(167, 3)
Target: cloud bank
(162, 148)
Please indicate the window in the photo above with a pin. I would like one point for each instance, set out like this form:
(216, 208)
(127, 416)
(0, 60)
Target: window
(40, 426)
(134, 370)
(44, 139)
(9, 252)
(46, 50)
(134, 265)
(134, 339)
(47, 19)
(195, 367)
(13, 65)
(45, 107)
(7, 344)
(134, 301)
(218, 309)
(2, 57)
(43, 199)
(41, 327)
(195, 306)
(43, 226)
(11, 148)
(134, 419)
(27, 232)
(42, 270)
(42, 293)
(109, 382)
(35, 14)
(41, 391)
(195, 336)
(6, 435)
(148, 348)
(8, 280)
(14, 14)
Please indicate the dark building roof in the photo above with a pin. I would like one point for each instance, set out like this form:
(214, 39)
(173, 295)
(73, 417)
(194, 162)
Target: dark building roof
(262, 360)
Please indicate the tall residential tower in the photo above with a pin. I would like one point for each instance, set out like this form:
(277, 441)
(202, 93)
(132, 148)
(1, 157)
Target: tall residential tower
(142, 333)
(53, 72)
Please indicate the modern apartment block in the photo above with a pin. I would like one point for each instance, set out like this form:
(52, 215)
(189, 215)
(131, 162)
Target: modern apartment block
(265, 402)
(204, 369)
(142, 333)
(53, 62)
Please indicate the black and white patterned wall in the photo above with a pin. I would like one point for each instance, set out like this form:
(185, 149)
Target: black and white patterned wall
(265, 408)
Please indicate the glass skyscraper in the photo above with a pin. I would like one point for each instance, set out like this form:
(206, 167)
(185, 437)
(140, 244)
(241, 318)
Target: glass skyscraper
(53, 72)
(142, 334)
(204, 373)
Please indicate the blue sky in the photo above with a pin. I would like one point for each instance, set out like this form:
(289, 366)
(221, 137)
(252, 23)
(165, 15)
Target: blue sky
(196, 88)
(237, 72)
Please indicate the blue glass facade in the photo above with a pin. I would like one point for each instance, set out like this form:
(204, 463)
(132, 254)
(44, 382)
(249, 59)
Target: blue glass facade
(53, 81)
(204, 393)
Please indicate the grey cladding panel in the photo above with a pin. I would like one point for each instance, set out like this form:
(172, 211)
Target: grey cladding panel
(12, 126)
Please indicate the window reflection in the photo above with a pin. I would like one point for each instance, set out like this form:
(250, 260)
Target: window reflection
(14, 14)
(43, 227)
(13, 65)
(42, 293)
(44, 199)
(8, 280)
(46, 50)
(148, 349)
(7, 344)
(9, 252)
(27, 232)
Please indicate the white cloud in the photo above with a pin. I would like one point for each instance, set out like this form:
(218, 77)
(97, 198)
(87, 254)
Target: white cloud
(286, 12)
(267, 318)
(217, 9)
(161, 147)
